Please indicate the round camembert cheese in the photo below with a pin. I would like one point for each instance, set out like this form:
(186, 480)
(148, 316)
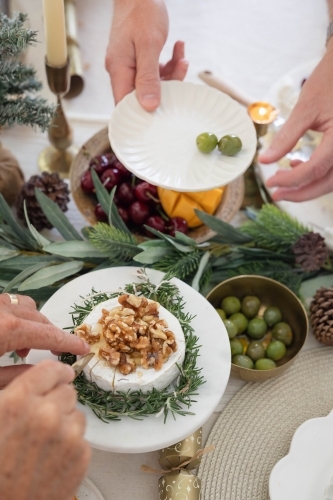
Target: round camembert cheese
(110, 378)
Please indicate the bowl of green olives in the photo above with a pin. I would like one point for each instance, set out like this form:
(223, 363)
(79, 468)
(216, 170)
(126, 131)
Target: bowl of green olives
(266, 323)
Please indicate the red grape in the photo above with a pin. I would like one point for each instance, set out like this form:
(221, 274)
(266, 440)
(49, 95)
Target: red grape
(156, 222)
(102, 162)
(177, 224)
(125, 174)
(100, 214)
(123, 212)
(139, 212)
(87, 183)
(145, 192)
(125, 194)
(110, 178)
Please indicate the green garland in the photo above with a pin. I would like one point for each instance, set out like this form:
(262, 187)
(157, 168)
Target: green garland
(109, 406)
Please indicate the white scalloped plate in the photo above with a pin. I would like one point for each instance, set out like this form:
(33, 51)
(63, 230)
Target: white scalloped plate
(306, 472)
(151, 433)
(160, 147)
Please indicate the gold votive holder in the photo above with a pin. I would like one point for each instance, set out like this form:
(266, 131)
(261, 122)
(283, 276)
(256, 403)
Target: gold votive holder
(59, 156)
(262, 114)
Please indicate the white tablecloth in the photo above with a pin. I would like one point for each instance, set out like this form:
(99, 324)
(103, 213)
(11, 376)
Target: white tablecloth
(249, 43)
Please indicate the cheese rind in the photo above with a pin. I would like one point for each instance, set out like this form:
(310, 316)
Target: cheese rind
(110, 379)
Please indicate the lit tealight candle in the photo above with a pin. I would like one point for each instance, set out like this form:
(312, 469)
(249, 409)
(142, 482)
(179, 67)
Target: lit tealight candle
(262, 112)
(55, 32)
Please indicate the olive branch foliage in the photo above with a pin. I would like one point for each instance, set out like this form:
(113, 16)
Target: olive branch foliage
(177, 397)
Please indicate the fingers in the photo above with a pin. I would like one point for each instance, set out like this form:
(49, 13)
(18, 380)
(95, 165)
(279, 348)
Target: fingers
(313, 170)
(284, 141)
(23, 300)
(22, 334)
(29, 314)
(122, 76)
(9, 373)
(177, 67)
(307, 192)
(64, 396)
(44, 377)
(147, 81)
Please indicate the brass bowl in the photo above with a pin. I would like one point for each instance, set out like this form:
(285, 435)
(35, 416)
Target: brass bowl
(230, 204)
(270, 293)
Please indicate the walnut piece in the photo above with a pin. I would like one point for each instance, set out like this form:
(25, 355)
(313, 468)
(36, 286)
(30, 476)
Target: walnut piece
(86, 333)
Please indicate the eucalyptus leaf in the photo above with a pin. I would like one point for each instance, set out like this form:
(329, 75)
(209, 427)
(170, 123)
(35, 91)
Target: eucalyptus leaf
(7, 253)
(51, 275)
(101, 192)
(152, 255)
(202, 265)
(114, 217)
(169, 239)
(56, 217)
(186, 240)
(22, 262)
(22, 235)
(38, 237)
(227, 234)
(25, 274)
(75, 249)
(154, 244)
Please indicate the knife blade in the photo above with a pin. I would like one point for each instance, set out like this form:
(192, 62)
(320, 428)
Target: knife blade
(81, 363)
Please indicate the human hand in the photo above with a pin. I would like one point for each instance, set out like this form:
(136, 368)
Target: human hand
(314, 110)
(42, 451)
(138, 34)
(24, 328)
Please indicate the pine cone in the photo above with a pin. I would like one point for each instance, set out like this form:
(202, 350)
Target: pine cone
(321, 315)
(51, 185)
(311, 251)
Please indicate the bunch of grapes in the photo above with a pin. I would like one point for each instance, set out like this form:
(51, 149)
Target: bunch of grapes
(137, 201)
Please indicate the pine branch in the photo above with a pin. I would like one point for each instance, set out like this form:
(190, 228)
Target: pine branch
(16, 78)
(118, 244)
(26, 111)
(14, 39)
(179, 264)
(273, 229)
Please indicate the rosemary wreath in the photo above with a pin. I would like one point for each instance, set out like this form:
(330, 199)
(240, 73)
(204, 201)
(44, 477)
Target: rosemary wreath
(177, 397)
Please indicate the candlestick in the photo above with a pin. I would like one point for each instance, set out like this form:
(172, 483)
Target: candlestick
(55, 32)
(76, 70)
(59, 156)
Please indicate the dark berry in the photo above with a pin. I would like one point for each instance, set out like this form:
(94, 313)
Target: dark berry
(87, 183)
(125, 194)
(156, 222)
(123, 212)
(125, 174)
(176, 224)
(102, 162)
(110, 178)
(146, 192)
(139, 212)
(100, 214)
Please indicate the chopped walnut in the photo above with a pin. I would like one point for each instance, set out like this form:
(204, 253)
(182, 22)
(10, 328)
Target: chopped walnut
(110, 355)
(86, 333)
(126, 364)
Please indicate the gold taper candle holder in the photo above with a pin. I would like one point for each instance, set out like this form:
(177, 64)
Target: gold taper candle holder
(74, 54)
(59, 156)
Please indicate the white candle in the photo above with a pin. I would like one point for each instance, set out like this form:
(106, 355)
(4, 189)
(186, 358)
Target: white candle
(55, 32)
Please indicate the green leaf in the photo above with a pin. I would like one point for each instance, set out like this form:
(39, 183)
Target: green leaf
(75, 249)
(186, 240)
(56, 217)
(152, 255)
(35, 234)
(15, 357)
(170, 239)
(179, 264)
(154, 244)
(101, 192)
(113, 242)
(114, 217)
(6, 253)
(202, 266)
(51, 275)
(25, 274)
(22, 235)
(227, 234)
(22, 262)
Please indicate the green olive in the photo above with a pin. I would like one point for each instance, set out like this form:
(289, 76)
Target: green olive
(206, 142)
(272, 315)
(283, 332)
(276, 350)
(236, 347)
(264, 364)
(230, 145)
(250, 306)
(221, 313)
(257, 328)
(230, 305)
(231, 328)
(255, 350)
(240, 321)
(243, 361)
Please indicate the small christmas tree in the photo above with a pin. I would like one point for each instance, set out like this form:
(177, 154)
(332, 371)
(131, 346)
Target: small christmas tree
(18, 104)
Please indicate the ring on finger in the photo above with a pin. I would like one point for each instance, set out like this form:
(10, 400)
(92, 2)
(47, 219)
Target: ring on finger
(13, 299)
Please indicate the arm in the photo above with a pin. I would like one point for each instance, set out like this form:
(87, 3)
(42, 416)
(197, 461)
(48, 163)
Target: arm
(138, 33)
(314, 110)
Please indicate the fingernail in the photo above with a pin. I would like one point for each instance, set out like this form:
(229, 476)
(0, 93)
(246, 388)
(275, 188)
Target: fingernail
(149, 100)
(86, 347)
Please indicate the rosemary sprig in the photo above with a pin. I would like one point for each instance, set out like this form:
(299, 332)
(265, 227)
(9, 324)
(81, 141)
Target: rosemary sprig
(175, 399)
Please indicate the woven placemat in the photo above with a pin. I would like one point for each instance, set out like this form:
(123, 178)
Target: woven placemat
(255, 429)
